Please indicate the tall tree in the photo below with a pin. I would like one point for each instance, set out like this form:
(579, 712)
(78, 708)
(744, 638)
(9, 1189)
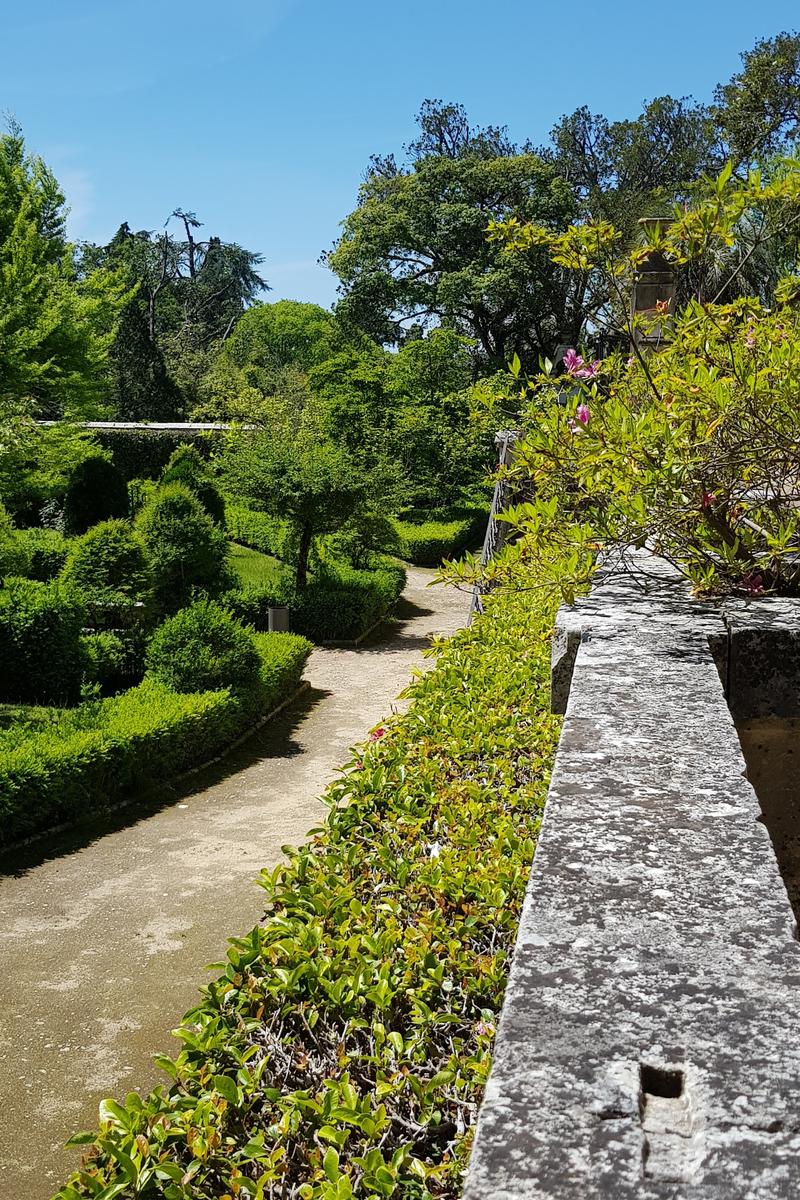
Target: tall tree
(414, 253)
(190, 292)
(758, 109)
(55, 327)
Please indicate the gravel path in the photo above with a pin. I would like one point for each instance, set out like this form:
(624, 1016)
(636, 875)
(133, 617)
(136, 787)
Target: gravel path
(105, 932)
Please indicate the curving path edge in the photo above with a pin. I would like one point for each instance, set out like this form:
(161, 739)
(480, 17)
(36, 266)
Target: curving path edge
(105, 933)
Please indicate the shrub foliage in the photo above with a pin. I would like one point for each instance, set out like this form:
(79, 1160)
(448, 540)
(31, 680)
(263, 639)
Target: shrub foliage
(344, 1048)
(40, 650)
(203, 648)
(185, 548)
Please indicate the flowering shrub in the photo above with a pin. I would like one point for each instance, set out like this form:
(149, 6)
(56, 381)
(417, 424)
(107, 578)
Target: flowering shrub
(692, 450)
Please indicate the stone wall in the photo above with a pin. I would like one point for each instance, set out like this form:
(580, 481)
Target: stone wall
(648, 1045)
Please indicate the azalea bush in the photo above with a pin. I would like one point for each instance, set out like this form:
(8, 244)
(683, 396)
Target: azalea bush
(692, 449)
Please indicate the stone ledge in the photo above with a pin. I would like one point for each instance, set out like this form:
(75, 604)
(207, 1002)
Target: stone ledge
(656, 941)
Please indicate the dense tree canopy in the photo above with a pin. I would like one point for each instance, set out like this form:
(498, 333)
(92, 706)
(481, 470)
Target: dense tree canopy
(55, 329)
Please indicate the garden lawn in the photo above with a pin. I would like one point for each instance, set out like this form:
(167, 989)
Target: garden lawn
(344, 1048)
(253, 568)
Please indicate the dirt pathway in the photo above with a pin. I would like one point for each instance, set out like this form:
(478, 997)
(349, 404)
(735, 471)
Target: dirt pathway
(105, 933)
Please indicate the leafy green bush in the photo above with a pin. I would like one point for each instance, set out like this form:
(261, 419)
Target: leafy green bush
(96, 492)
(427, 541)
(47, 552)
(14, 553)
(203, 648)
(186, 550)
(251, 603)
(187, 466)
(341, 603)
(344, 1049)
(40, 651)
(261, 532)
(82, 760)
(108, 565)
(105, 660)
(140, 491)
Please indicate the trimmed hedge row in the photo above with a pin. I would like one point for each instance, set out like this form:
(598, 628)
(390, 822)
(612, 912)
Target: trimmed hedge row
(426, 543)
(338, 604)
(344, 1049)
(92, 755)
(143, 453)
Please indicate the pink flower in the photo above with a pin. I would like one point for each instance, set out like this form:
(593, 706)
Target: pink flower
(750, 340)
(484, 1029)
(359, 765)
(572, 362)
(377, 734)
(709, 498)
(589, 370)
(631, 362)
(582, 413)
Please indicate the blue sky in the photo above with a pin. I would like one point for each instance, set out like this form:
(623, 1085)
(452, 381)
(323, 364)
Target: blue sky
(261, 116)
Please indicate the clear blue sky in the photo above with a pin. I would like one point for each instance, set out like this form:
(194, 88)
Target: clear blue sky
(261, 114)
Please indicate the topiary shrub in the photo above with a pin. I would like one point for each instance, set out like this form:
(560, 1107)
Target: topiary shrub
(108, 565)
(202, 649)
(47, 552)
(105, 660)
(14, 555)
(186, 550)
(188, 467)
(96, 492)
(40, 648)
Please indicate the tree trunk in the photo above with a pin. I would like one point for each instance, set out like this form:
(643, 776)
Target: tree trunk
(301, 574)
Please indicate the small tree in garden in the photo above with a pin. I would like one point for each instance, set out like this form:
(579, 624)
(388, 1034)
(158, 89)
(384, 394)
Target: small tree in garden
(298, 475)
(693, 451)
(185, 549)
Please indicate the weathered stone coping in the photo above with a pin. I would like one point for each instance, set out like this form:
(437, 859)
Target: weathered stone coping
(649, 1045)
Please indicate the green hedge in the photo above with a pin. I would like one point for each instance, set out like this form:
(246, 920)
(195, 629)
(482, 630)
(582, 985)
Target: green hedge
(344, 1049)
(40, 643)
(259, 531)
(427, 540)
(47, 552)
(338, 604)
(143, 453)
(86, 758)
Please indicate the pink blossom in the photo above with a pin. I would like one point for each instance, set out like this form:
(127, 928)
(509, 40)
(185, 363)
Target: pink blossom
(377, 734)
(582, 413)
(572, 362)
(589, 370)
(750, 340)
(631, 362)
(484, 1029)
(709, 498)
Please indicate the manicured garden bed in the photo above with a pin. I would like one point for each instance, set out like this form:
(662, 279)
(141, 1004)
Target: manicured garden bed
(61, 765)
(344, 1048)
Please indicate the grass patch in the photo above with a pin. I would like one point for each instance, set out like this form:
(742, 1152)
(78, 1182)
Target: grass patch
(254, 569)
